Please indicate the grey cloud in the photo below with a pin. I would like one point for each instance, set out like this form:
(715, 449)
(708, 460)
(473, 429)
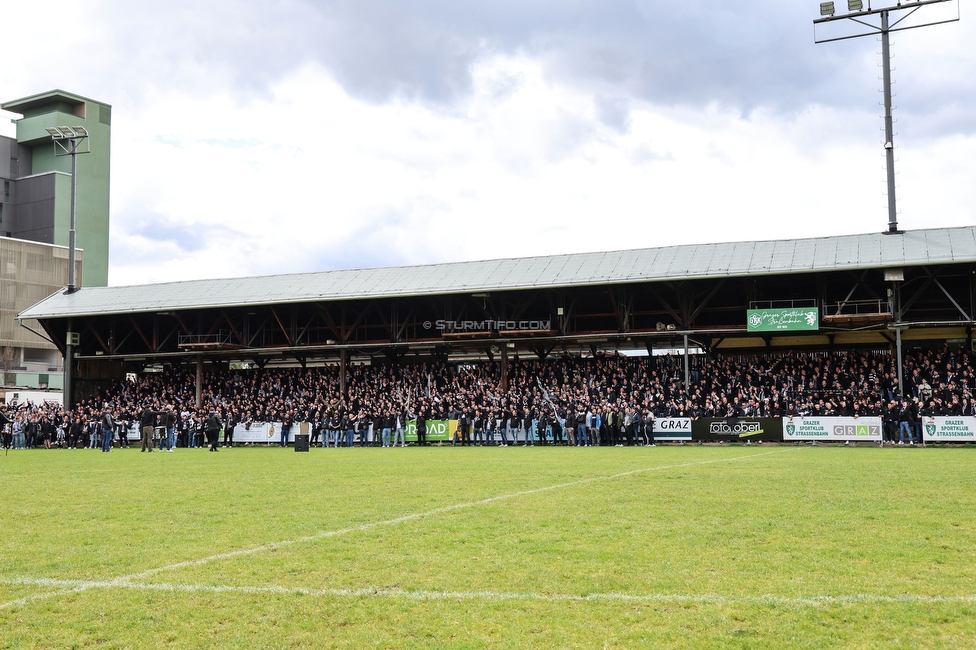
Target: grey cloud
(746, 54)
(154, 227)
(614, 112)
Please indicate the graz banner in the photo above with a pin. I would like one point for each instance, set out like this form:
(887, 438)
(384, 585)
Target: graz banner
(867, 429)
(737, 429)
(799, 319)
(672, 429)
(949, 429)
(437, 430)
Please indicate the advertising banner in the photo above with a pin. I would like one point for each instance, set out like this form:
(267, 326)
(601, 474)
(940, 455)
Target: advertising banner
(949, 429)
(798, 319)
(672, 429)
(866, 429)
(437, 430)
(737, 429)
(261, 432)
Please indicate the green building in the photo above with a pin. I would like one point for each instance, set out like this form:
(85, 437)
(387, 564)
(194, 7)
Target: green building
(35, 215)
(36, 201)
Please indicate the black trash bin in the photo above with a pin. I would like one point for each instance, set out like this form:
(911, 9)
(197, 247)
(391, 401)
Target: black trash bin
(301, 442)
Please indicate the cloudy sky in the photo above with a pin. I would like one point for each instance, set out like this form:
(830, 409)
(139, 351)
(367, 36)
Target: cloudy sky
(270, 136)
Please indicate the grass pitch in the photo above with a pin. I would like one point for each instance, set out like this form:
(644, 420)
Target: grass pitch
(761, 546)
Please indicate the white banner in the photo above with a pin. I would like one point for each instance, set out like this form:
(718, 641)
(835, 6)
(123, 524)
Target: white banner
(865, 429)
(949, 429)
(672, 429)
(261, 432)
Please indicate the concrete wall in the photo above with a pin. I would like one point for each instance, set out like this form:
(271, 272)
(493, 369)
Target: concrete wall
(29, 273)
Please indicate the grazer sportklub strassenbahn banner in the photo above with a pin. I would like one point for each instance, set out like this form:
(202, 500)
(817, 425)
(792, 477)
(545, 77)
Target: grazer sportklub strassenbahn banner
(949, 429)
(799, 319)
(737, 429)
(866, 429)
(672, 429)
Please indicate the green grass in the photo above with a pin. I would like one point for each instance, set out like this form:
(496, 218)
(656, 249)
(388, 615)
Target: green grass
(727, 547)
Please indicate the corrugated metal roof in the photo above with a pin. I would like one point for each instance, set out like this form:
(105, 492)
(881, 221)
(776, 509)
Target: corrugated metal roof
(914, 248)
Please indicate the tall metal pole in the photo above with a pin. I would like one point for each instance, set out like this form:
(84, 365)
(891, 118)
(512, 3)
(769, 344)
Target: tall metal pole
(69, 361)
(889, 126)
(66, 140)
(687, 371)
(901, 387)
(71, 230)
(898, 328)
(863, 26)
(69, 349)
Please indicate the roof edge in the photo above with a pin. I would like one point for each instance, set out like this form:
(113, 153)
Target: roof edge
(46, 97)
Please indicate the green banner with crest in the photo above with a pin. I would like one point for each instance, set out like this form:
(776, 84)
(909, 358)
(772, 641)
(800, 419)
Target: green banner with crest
(796, 319)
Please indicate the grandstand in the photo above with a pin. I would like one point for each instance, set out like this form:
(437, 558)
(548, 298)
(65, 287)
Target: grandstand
(871, 291)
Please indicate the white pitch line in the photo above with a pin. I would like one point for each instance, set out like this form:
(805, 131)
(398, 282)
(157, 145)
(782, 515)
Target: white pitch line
(708, 599)
(123, 580)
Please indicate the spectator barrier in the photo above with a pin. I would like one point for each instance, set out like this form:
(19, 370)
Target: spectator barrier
(949, 429)
(672, 429)
(797, 429)
(737, 429)
(833, 429)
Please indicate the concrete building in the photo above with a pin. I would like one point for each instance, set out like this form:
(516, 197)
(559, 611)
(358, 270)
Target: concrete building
(29, 272)
(35, 212)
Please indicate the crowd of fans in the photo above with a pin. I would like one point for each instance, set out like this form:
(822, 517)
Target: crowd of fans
(602, 400)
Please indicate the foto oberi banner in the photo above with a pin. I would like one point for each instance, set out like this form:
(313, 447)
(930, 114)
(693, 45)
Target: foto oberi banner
(866, 429)
(672, 429)
(737, 429)
(949, 429)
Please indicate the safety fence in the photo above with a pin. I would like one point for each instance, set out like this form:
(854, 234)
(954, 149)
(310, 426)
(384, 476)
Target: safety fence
(797, 429)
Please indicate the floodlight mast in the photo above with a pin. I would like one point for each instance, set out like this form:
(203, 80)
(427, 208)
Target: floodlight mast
(903, 10)
(70, 141)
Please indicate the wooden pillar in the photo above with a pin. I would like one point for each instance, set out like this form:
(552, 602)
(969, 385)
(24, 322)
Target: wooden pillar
(504, 367)
(199, 386)
(342, 374)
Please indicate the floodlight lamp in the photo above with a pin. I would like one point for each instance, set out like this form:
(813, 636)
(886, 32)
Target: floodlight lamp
(855, 5)
(826, 8)
(67, 132)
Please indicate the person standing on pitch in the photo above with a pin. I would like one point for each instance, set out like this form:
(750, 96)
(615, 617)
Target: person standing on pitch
(147, 422)
(213, 430)
(387, 420)
(400, 427)
(108, 428)
(421, 427)
(169, 422)
(7, 427)
(286, 424)
(229, 425)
